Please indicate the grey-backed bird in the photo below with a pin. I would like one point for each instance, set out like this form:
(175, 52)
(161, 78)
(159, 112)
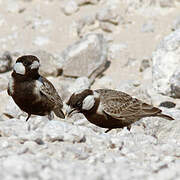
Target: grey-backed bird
(110, 108)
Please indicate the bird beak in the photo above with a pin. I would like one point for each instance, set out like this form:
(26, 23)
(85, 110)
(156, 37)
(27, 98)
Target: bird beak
(70, 111)
(35, 65)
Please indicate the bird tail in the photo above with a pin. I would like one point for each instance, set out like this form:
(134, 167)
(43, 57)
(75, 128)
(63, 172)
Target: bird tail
(149, 110)
(59, 113)
(165, 116)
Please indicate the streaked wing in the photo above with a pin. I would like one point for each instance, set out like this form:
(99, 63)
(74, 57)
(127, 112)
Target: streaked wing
(50, 92)
(119, 104)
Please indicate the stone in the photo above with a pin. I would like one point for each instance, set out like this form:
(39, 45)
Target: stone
(5, 62)
(62, 131)
(70, 7)
(165, 61)
(85, 25)
(87, 57)
(108, 15)
(170, 130)
(175, 84)
(106, 26)
(12, 110)
(145, 63)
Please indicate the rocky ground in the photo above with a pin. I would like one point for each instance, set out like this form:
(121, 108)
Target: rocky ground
(128, 45)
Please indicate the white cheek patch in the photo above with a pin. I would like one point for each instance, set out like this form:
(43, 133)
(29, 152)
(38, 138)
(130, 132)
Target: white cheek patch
(19, 68)
(88, 102)
(35, 65)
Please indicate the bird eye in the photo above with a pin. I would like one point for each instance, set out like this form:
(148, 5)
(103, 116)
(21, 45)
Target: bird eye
(79, 104)
(26, 63)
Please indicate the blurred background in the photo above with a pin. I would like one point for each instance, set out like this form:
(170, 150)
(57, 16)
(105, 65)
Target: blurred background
(127, 45)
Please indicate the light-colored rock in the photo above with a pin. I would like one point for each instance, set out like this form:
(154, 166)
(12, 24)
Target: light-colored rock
(108, 15)
(70, 7)
(87, 57)
(62, 131)
(85, 25)
(175, 84)
(5, 62)
(12, 110)
(145, 63)
(165, 61)
(170, 130)
(79, 84)
(106, 26)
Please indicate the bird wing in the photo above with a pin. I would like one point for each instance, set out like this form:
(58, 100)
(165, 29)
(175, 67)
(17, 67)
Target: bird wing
(118, 104)
(50, 92)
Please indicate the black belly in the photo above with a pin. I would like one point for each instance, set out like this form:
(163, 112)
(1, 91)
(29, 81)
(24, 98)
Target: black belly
(32, 106)
(108, 122)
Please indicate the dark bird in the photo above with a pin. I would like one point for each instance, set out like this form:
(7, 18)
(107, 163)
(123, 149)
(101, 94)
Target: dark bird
(33, 93)
(110, 109)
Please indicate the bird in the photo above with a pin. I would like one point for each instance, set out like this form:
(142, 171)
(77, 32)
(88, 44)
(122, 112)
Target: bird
(110, 109)
(33, 93)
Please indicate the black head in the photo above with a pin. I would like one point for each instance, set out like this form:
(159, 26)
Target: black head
(27, 65)
(81, 101)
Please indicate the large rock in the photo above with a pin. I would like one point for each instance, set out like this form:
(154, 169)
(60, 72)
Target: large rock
(87, 57)
(165, 62)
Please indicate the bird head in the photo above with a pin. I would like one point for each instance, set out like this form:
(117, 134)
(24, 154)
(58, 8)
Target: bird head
(81, 101)
(27, 65)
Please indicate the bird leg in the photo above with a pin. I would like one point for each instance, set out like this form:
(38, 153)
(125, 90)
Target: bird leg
(51, 116)
(129, 127)
(29, 115)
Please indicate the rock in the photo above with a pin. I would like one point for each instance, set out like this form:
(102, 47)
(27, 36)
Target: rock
(87, 57)
(62, 131)
(167, 104)
(70, 7)
(108, 15)
(117, 51)
(106, 26)
(170, 130)
(12, 110)
(48, 60)
(83, 2)
(165, 61)
(175, 84)
(176, 24)
(85, 25)
(145, 63)
(79, 84)
(5, 62)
